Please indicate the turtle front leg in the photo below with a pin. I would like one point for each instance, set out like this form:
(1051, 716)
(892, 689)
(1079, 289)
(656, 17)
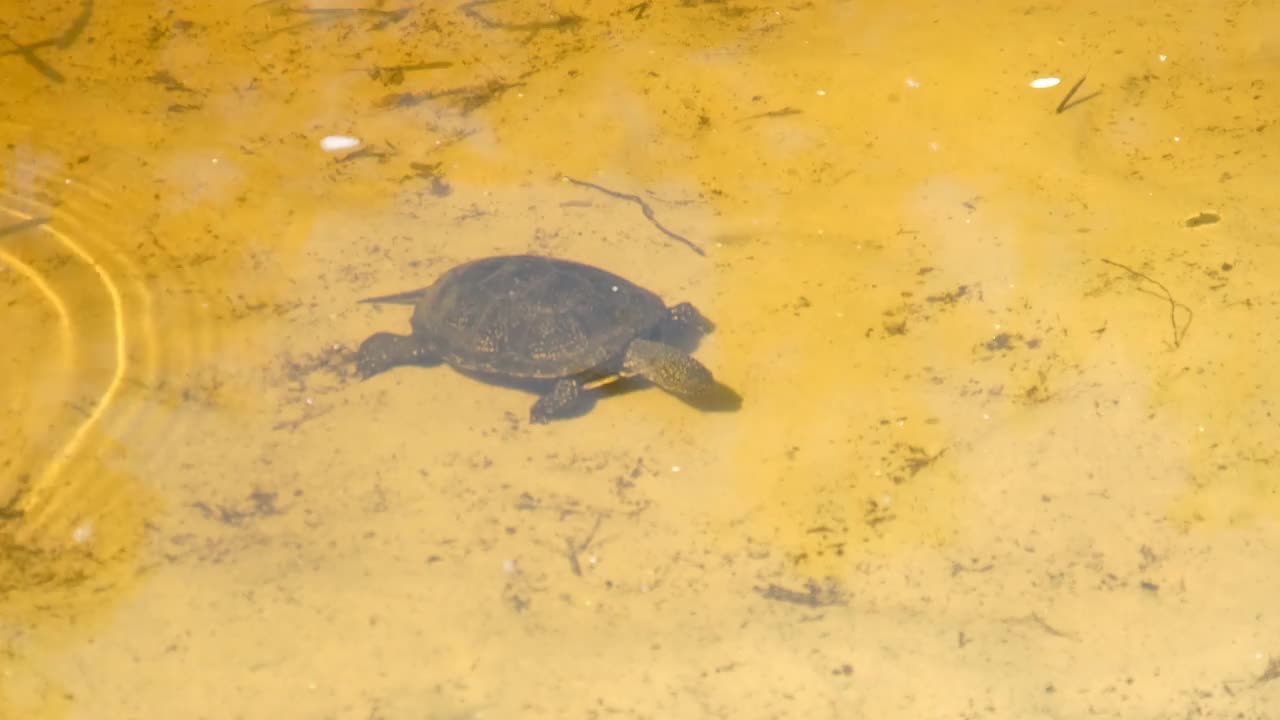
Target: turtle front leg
(669, 368)
(560, 401)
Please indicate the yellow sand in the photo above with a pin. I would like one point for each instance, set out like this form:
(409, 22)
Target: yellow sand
(1008, 445)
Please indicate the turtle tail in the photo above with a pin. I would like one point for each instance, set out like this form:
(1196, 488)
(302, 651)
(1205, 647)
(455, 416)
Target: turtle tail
(409, 297)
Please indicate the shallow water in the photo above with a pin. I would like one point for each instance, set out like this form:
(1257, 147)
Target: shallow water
(1007, 444)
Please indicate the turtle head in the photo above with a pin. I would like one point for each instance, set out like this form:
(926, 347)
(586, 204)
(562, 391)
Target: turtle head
(383, 351)
(684, 327)
(685, 317)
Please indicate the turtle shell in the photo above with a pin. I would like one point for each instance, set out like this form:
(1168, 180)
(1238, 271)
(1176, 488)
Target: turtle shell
(527, 316)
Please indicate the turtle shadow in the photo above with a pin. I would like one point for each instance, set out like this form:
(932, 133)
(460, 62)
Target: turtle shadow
(721, 399)
(686, 339)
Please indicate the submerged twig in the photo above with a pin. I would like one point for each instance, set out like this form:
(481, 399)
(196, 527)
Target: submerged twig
(28, 53)
(320, 16)
(64, 40)
(644, 207)
(562, 22)
(1066, 103)
(394, 74)
(1179, 332)
(773, 114)
(574, 549)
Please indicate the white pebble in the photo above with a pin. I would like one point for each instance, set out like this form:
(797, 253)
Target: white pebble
(1045, 82)
(82, 533)
(338, 142)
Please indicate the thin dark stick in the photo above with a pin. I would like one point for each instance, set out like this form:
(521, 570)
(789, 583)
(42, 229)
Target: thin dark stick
(1066, 103)
(562, 22)
(28, 53)
(65, 40)
(1071, 93)
(644, 207)
(574, 549)
(1178, 333)
(73, 32)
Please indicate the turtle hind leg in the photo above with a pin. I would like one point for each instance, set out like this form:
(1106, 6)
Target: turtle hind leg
(669, 368)
(560, 401)
(383, 351)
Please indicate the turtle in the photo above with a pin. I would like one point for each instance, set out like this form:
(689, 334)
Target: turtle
(535, 318)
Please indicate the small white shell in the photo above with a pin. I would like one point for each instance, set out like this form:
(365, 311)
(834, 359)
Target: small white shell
(338, 142)
(1046, 82)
